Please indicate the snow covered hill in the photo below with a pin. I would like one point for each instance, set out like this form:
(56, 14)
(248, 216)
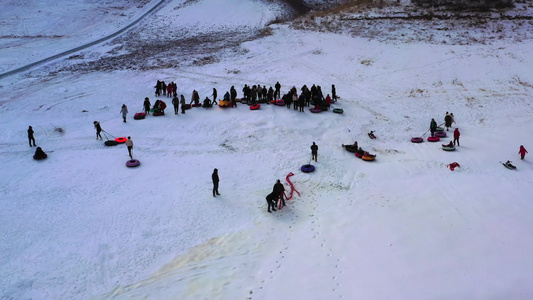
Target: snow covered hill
(81, 225)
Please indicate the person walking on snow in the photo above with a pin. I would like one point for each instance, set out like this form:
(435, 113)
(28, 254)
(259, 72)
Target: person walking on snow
(448, 121)
(215, 179)
(214, 96)
(456, 135)
(124, 111)
(98, 129)
(433, 127)
(129, 144)
(147, 105)
(314, 152)
(522, 152)
(30, 136)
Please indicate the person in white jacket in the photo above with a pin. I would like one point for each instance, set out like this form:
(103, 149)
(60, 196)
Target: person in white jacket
(129, 144)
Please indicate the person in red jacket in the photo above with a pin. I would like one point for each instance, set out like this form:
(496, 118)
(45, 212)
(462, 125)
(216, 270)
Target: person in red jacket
(522, 152)
(456, 135)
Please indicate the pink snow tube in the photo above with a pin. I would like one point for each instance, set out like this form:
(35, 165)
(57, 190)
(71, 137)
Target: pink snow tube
(433, 139)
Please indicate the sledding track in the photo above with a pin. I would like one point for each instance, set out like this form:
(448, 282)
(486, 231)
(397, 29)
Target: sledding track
(98, 41)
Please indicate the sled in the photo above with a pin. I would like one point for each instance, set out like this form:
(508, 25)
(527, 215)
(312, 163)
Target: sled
(371, 135)
(509, 165)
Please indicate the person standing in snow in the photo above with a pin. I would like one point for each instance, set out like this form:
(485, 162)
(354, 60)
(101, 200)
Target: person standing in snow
(176, 103)
(278, 190)
(333, 93)
(215, 179)
(456, 135)
(233, 96)
(433, 127)
(124, 111)
(271, 198)
(314, 152)
(30, 136)
(129, 144)
(98, 129)
(448, 121)
(158, 88)
(522, 152)
(182, 102)
(277, 93)
(146, 105)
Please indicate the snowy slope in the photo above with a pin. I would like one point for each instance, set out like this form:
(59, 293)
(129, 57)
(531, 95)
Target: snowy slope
(81, 225)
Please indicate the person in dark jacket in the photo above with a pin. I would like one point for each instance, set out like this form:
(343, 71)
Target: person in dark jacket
(333, 93)
(456, 135)
(448, 121)
(30, 136)
(182, 102)
(176, 103)
(278, 190)
(215, 179)
(147, 105)
(214, 96)
(301, 102)
(39, 154)
(277, 92)
(433, 127)
(98, 129)
(271, 199)
(314, 152)
(233, 96)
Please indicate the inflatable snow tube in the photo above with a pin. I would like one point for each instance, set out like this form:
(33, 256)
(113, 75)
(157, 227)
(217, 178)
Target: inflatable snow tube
(255, 106)
(158, 113)
(278, 102)
(315, 110)
(307, 168)
(187, 106)
(440, 134)
(132, 163)
(43, 156)
(439, 129)
(368, 157)
(110, 143)
(196, 105)
(417, 140)
(446, 148)
(350, 148)
(224, 103)
(433, 139)
(358, 154)
(338, 110)
(139, 116)
(121, 140)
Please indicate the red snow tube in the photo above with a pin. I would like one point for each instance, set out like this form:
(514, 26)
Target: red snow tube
(315, 110)
(162, 105)
(417, 140)
(453, 165)
(132, 163)
(139, 116)
(158, 113)
(440, 134)
(433, 139)
(187, 106)
(278, 102)
(121, 140)
(255, 106)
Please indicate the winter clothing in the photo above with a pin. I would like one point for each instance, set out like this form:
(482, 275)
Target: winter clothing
(448, 121)
(124, 111)
(433, 127)
(214, 96)
(456, 135)
(147, 105)
(182, 102)
(98, 129)
(176, 103)
(278, 190)
(233, 95)
(215, 179)
(271, 199)
(129, 144)
(314, 152)
(522, 152)
(39, 154)
(30, 136)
